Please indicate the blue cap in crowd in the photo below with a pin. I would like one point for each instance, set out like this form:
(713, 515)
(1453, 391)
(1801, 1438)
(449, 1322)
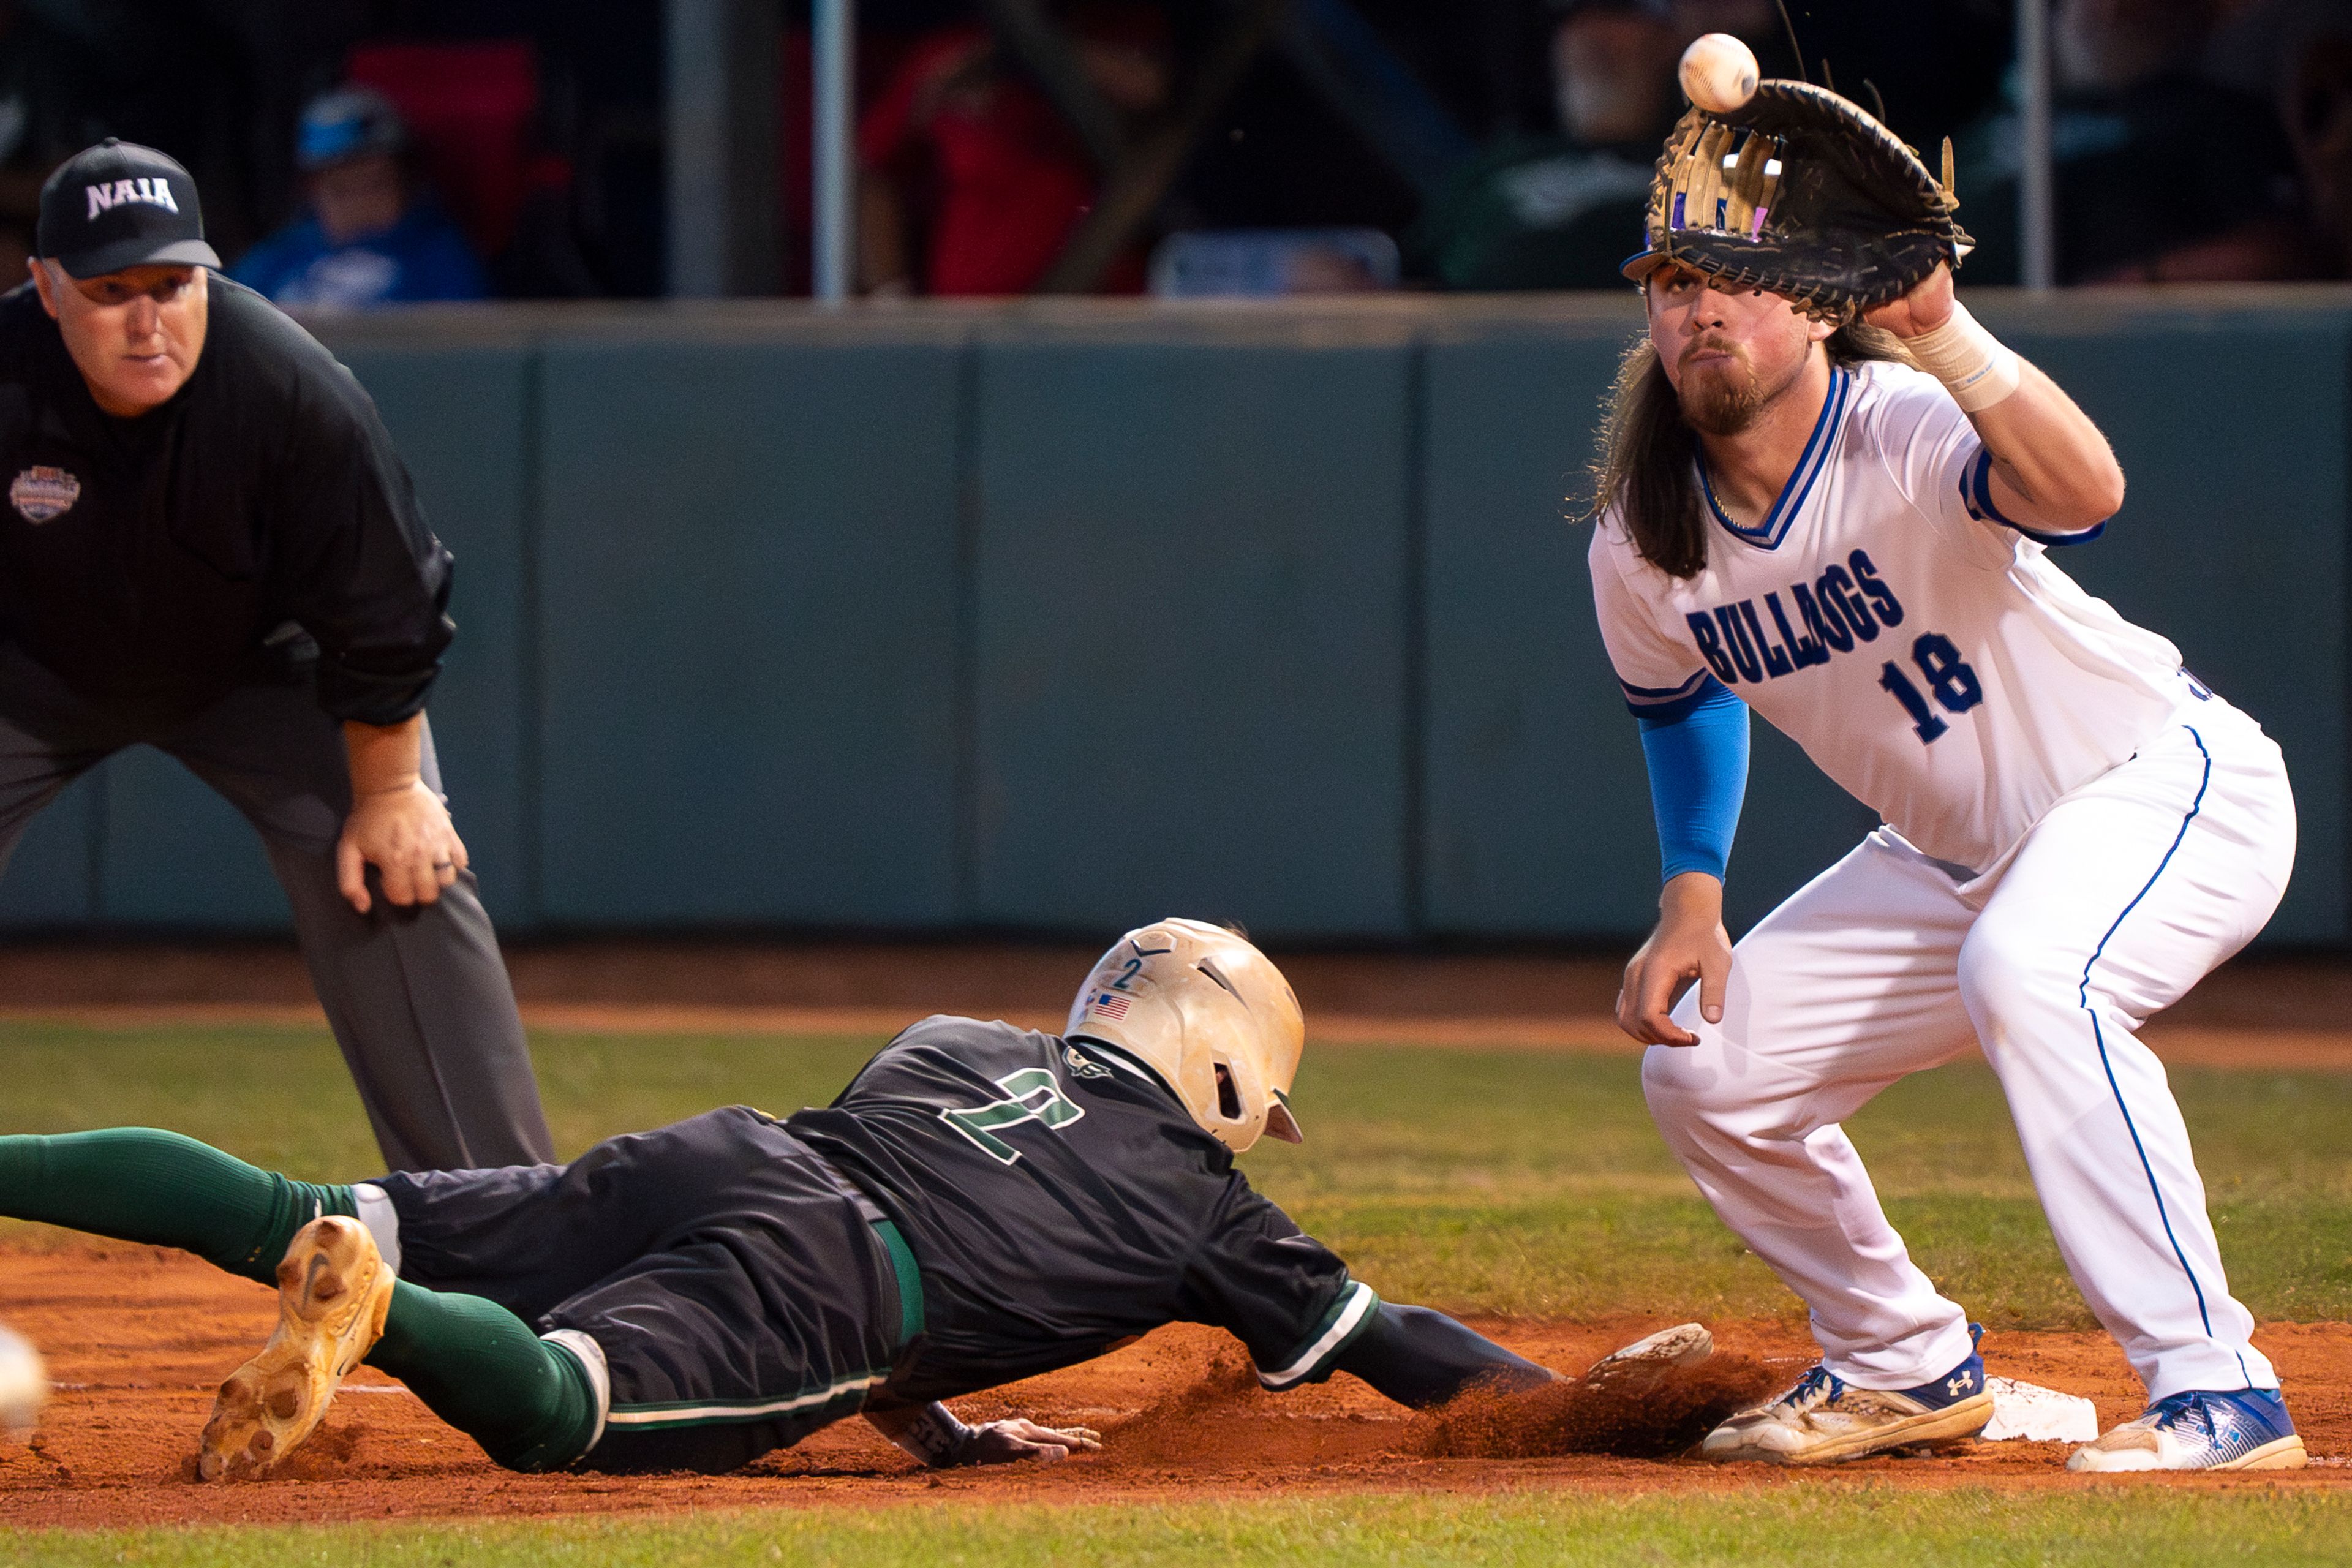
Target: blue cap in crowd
(349, 123)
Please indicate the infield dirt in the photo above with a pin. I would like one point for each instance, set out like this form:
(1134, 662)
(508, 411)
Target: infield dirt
(138, 1339)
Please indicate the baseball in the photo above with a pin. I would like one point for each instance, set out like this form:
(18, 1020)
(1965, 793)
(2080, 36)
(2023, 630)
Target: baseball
(1718, 72)
(24, 1386)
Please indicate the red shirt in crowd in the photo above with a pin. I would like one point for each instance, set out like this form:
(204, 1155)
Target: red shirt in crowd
(1011, 182)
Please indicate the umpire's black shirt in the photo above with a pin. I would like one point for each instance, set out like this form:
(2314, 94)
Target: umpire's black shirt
(1060, 1201)
(146, 562)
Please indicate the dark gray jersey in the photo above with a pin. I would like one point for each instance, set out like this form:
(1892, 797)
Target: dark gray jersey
(1059, 1201)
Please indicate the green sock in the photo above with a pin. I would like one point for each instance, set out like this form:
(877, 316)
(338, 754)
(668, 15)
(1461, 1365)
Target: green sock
(475, 1364)
(478, 1367)
(138, 1184)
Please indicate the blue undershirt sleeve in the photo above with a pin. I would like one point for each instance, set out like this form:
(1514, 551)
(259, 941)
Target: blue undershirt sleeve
(1698, 776)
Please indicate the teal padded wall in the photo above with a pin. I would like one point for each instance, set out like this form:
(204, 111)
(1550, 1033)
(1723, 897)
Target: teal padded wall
(748, 611)
(2231, 427)
(1531, 767)
(462, 418)
(1060, 616)
(173, 853)
(49, 881)
(1192, 623)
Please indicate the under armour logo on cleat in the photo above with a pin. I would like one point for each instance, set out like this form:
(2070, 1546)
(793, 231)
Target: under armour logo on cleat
(1960, 1384)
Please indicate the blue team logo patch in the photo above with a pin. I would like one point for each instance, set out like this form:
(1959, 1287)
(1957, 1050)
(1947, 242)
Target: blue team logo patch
(39, 493)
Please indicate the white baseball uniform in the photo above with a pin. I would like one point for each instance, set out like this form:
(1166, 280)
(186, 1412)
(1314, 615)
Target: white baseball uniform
(2076, 831)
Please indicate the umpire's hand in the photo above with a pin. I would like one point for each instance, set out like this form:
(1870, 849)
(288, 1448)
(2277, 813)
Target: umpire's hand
(405, 833)
(397, 823)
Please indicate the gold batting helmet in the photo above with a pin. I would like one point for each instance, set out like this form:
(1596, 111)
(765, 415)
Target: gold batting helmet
(1211, 1015)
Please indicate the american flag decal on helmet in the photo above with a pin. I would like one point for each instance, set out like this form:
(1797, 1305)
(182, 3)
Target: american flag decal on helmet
(1110, 1005)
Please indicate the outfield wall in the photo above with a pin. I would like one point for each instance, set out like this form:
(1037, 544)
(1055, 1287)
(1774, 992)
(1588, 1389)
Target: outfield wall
(1062, 617)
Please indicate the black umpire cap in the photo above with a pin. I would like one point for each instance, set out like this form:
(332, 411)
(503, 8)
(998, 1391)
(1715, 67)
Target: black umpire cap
(119, 204)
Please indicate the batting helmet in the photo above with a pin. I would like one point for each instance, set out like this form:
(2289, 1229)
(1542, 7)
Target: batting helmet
(1211, 1015)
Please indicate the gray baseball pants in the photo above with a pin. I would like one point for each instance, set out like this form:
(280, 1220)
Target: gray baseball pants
(418, 998)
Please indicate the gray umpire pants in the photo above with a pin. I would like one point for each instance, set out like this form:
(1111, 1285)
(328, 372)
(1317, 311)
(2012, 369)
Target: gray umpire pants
(418, 998)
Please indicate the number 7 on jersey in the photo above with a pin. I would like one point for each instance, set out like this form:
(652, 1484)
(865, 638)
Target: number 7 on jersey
(1030, 1094)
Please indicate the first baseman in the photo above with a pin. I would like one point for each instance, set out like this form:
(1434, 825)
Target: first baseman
(981, 1204)
(1845, 527)
(211, 547)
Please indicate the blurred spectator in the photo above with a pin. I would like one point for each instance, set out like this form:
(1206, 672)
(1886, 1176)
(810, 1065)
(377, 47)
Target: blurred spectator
(2319, 124)
(2162, 175)
(372, 236)
(1757, 21)
(1261, 263)
(1563, 211)
(2298, 55)
(476, 135)
(2258, 46)
(972, 181)
(45, 118)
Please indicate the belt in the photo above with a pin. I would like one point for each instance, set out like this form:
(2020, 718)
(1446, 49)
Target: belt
(904, 1272)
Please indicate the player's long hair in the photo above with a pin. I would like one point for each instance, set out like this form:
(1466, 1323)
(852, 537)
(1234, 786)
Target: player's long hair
(1647, 463)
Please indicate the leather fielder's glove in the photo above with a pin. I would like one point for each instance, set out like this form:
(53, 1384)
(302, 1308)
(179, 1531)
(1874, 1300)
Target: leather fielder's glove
(1799, 192)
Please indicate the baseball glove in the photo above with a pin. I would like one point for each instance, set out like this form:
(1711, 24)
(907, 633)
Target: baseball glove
(1799, 192)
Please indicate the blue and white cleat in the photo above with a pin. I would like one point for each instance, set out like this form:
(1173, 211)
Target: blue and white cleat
(2242, 1429)
(1824, 1418)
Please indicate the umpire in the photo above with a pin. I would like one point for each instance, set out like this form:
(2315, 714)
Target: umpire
(211, 547)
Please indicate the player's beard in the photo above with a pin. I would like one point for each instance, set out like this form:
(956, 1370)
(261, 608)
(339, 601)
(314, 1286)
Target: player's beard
(1725, 398)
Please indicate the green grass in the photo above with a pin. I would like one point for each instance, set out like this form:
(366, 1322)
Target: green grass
(1815, 1526)
(1503, 1181)
(1535, 1184)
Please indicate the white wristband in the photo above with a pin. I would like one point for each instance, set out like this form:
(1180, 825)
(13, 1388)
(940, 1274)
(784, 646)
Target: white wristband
(1974, 367)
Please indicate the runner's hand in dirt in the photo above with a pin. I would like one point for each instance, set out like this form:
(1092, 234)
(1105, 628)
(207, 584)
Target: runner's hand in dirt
(932, 1434)
(1007, 1442)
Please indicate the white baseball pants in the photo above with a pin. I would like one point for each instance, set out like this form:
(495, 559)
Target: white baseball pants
(2126, 894)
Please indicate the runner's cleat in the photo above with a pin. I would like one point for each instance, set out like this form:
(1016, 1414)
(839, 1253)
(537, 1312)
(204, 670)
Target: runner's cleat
(333, 1291)
(1826, 1418)
(2203, 1429)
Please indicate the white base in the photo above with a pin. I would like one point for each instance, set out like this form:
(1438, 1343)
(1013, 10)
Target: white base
(2037, 1414)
